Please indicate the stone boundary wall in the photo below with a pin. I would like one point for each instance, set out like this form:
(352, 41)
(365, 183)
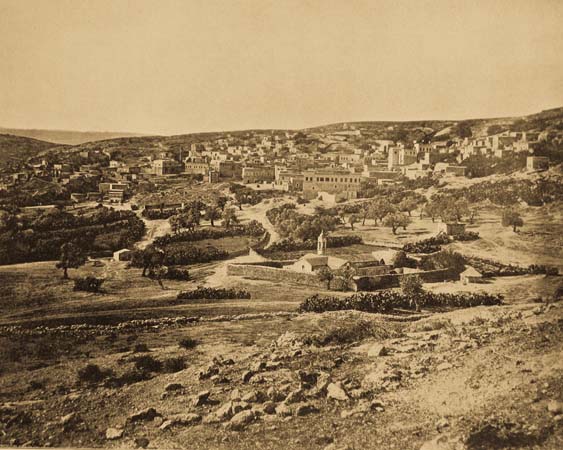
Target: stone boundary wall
(394, 280)
(272, 271)
(261, 272)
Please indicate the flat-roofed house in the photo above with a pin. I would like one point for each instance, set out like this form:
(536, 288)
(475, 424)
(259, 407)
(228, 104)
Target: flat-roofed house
(342, 184)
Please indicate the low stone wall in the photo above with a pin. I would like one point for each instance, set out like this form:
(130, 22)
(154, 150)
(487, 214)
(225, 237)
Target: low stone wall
(260, 271)
(374, 283)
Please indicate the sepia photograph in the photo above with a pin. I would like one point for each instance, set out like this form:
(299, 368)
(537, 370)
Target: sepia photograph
(281, 224)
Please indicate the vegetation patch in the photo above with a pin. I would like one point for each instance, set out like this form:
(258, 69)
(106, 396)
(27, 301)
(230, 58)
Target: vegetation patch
(387, 301)
(213, 294)
(490, 268)
(88, 284)
(348, 333)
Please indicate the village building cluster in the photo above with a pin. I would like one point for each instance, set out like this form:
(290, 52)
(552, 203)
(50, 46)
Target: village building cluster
(331, 165)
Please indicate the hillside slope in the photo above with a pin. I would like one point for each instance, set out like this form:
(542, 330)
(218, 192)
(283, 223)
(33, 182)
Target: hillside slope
(65, 136)
(16, 149)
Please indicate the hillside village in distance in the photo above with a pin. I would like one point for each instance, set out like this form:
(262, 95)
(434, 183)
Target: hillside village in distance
(285, 288)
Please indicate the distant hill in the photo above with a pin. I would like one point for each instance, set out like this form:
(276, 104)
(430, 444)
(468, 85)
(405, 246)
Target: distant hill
(550, 119)
(66, 137)
(16, 149)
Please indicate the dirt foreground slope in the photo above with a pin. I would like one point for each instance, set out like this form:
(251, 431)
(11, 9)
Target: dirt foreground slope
(479, 378)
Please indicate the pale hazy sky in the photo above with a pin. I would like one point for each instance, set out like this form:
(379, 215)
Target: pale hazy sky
(185, 66)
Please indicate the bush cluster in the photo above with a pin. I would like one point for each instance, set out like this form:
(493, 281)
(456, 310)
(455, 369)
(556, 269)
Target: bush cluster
(191, 254)
(41, 238)
(213, 294)
(300, 227)
(187, 343)
(490, 268)
(430, 245)
(253, 228)
(387, 301)
(509, 192)
(92, 373)
(466, 236)
(173, 273)
(88, 284)
(155, 214)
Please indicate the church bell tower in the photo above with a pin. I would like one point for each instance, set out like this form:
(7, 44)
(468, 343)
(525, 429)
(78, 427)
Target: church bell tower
(321, 244)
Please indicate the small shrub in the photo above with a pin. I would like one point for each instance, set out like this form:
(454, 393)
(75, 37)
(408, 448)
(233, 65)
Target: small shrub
(187, 343)
(93, 374)
(88, 284)
(340, 284)
(411, 285)
(348, 333)
(466, 236)
(147, 363)
(140, 348)
(172, 365)
(130, 377)
(174, 273)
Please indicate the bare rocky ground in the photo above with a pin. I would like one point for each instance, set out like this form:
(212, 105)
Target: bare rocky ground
(479, 378)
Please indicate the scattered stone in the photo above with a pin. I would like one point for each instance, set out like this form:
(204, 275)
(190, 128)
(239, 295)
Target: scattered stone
(337, 392)
(201, 398)
(225, 412)
(338, 361)
(377, 350)
(348, 413)
(246, 376)
(241, 419)
(208, 372)
(443, 442)
(558, 418)
(376, 405)
(442, 423)
(157, 421)
(283, 410)
(181, 419)
(358, 393)
(304, 410)
(307, 377)
(288, 339)
(273, 365)
(268, 408)
(444, 366)
(274, 395)
(323, 380)
(294, 396)
(235, 395)
(258, 366)
(69, 419)
(251, 397)
(145, 414)
(555, 407)
(114, 433)
(173, 387)
(142, 442)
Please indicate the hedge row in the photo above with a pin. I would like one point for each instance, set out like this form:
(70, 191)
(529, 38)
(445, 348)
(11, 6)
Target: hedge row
(387, 301)
(430, 245)
(253, 228)
(434, 244)
(289, 245)
(213, 293)
(191, 255)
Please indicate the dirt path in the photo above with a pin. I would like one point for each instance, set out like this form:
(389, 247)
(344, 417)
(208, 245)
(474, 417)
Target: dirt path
(258, 212)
